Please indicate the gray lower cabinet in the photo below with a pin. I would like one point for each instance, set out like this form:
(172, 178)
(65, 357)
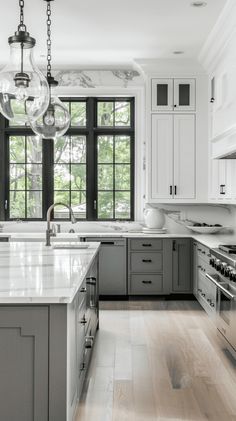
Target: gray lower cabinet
(45, 353)
(149, 266)
(181, 265)
(24, 363)
(195, 268)
(204, 290)
(112, 265)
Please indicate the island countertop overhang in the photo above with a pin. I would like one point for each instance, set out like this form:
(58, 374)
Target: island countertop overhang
(31, 273)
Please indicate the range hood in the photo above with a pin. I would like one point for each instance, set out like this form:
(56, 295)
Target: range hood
(223, 146)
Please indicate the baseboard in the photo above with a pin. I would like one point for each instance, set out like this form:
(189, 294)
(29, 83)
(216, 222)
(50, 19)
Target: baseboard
(169, 297)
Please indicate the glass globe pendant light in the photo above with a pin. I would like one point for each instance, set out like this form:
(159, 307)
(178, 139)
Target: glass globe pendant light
(56, 119)
(24, 91)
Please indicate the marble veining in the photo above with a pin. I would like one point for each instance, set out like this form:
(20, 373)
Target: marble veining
(99, 78)
(34, 273)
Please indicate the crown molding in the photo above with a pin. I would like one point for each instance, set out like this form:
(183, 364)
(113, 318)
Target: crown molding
(221, 34)
(170, 66)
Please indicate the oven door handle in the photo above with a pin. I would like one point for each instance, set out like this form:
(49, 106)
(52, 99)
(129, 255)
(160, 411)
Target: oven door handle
(226, 292)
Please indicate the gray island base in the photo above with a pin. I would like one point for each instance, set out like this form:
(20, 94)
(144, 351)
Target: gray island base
(48, 323)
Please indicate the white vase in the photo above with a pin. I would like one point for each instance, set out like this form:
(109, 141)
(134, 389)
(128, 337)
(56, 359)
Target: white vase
(154, 218)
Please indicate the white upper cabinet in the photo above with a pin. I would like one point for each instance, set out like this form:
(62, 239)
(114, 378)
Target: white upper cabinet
(162, 156)
(222, 180)
(173, 94)
(173, 157)
(184, 156)
(162, 94)
(184, 94)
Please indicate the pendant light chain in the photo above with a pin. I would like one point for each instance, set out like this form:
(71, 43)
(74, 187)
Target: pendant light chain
(22, 25)
(49, 42)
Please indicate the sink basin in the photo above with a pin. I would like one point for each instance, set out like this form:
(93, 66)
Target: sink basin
(70, 246)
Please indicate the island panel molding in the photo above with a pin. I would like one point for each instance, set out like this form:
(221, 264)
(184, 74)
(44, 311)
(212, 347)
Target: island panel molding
(24, 363)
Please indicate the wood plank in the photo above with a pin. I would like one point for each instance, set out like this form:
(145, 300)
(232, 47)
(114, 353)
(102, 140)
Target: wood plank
(158, 360)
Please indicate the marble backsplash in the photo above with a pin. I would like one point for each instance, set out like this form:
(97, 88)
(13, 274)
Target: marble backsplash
(176, 218)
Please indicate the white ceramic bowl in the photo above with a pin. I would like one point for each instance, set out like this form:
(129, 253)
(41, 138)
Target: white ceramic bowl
(205, 230)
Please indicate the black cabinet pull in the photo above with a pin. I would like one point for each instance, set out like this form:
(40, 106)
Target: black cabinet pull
(147, 282)
(171, 190)
(146, 245)
(91, 280)
(108, 242)
(82, 367)
(175, 190)
(174, 246)
(147, 260)
(222, 186)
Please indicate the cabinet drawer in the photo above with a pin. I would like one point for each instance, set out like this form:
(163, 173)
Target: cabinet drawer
(203, 252)
(146, 262)
(207, 293)
(146, 244)
(146, 284)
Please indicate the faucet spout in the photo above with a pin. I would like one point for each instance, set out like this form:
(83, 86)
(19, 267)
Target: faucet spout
(49, 211)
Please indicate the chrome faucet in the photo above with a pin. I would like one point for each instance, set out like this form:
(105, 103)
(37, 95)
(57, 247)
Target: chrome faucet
(49, 232)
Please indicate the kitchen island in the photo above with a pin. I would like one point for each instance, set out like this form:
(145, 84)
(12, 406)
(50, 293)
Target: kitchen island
(48, 322)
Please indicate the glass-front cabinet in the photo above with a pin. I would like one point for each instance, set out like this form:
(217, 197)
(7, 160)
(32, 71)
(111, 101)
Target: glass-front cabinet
(173, 94)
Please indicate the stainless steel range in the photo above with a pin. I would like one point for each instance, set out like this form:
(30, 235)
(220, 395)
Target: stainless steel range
(223, 275)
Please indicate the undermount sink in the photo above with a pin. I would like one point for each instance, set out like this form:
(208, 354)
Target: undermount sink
(70, 246)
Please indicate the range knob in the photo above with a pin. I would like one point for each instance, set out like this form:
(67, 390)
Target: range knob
(232, 276)
(223, 268)
(212, 262)
(228, 271)
(218, 264)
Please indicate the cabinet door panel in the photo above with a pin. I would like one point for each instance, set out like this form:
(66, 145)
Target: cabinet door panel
(184, 156)
(112, 271)
(222, 176)
(162, 156)
(162, 94)
(214, 179)
(184, 94)
(24, 363)
(182, 265)
(195, 268)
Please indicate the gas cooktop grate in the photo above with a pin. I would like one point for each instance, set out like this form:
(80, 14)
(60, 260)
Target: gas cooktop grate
(228, 248)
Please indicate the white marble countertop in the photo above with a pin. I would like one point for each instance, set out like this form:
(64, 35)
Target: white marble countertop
(210, 240)
(33, 273)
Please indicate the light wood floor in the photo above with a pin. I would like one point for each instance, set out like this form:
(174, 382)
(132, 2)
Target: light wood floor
(158, 361)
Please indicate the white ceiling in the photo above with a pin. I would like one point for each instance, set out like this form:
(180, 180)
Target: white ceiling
(111, 32)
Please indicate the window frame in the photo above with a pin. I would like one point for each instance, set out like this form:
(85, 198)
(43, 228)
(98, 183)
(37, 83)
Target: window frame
(91, 131)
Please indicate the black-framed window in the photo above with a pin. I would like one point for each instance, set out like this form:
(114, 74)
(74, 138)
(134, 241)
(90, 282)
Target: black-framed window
(90, 168)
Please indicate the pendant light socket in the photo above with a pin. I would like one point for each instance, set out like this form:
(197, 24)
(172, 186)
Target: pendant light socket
(22, 37)
(51, 81)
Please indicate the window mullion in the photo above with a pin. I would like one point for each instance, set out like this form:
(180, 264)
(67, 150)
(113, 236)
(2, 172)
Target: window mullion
(3, 170)
(48, 173)
(91, 161)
